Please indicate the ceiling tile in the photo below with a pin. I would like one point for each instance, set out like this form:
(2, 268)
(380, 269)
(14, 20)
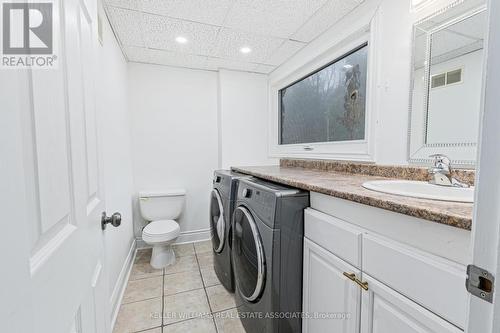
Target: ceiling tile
(130, 4)
(330, 14)
(284, 52)
(204, 11)
(229, 42)
(219, 63)
(216, 30)
(127, 25)
(160, 33)
(136, 54)
(264, 69)
(280, 18)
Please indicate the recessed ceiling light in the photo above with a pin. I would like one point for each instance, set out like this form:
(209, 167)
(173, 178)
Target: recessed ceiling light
(245, 49)
(181, 40)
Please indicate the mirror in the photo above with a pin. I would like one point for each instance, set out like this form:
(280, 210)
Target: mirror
(447, 74)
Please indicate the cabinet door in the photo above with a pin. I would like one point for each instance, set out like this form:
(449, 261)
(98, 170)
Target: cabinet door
(331, 301)
(384, 310)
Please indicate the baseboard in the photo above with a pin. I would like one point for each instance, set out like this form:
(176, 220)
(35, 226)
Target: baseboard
(141, 244)
(184, 237)
(193, 236)
(119, 289)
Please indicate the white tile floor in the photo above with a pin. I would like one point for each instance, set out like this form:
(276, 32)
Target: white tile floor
(188, 294)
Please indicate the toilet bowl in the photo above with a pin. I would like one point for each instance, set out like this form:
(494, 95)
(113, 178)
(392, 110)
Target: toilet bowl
(160, 234)
(160, 209)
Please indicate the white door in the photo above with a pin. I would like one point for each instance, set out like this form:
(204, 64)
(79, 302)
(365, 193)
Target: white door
(53, 195)
(483, 316)
(328, 292)
(384, 310)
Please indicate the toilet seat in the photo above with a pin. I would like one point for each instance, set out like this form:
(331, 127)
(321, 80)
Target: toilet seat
(160, 231)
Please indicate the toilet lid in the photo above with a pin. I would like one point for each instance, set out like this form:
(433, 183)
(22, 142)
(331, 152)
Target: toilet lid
(161, 228)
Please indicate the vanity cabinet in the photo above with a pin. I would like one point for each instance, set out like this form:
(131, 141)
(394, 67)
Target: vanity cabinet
(407, 289)
(328, 293)
(385, 310)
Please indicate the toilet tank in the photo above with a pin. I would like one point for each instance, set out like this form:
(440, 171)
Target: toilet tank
(161, 205)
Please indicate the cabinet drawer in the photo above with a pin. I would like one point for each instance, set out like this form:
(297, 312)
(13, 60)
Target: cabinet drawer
(433, 282)
(339, 237)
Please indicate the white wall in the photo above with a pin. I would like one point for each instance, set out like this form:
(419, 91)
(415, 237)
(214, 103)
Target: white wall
(454, 109)
(393, 36)
(394, 54)
(174, 136)
(117, 160)
(188, 123)
(243, 119)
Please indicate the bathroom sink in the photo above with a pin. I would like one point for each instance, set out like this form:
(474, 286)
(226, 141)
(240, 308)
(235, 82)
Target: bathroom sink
(422, 190)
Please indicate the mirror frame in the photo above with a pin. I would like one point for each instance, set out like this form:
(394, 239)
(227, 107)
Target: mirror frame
(462, 154)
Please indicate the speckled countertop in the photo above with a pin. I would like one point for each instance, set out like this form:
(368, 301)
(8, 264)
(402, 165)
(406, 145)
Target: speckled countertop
(349, 186)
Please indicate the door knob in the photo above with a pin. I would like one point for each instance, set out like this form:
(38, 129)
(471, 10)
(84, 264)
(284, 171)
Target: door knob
(115, 220)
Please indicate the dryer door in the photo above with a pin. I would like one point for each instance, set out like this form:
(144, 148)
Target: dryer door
(248, 255)
(217, 223)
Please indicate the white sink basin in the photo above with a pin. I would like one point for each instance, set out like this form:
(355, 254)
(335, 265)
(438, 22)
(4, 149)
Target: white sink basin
(422, 190)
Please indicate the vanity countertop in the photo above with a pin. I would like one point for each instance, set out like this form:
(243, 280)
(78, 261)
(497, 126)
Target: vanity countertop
(348, 186)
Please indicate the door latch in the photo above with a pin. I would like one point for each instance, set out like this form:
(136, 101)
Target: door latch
(480, 283)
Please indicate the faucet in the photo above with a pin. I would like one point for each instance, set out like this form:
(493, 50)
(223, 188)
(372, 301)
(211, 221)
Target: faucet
(441, 172)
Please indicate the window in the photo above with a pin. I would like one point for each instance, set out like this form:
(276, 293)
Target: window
(454, 76)
(327, 105)
(438, 80)
(447, 78)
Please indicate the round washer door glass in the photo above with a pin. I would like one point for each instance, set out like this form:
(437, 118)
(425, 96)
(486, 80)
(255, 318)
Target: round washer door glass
(217, 222)
(248, 255)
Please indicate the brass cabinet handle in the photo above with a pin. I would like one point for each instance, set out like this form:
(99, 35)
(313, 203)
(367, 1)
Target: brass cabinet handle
(350, 276)
(362, 284)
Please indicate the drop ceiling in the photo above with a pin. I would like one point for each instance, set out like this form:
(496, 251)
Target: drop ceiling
(217, 30)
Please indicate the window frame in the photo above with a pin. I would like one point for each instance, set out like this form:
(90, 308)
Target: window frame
(354, 150)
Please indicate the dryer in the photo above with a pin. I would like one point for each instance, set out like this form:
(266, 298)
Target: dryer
(267, 252)
(222, 200)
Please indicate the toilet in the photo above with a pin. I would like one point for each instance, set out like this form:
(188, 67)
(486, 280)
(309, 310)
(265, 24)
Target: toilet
(161, 209)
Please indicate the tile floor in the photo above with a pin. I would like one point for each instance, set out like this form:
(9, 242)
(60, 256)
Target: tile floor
(188, 294)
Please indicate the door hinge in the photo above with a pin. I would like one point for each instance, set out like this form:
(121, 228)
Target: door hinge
(480, 283)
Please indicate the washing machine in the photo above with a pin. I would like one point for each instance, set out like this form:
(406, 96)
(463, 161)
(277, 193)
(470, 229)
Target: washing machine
(267, 245)
(222, 200)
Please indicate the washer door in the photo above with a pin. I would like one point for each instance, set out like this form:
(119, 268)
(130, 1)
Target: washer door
(217, 223)
(248, 255)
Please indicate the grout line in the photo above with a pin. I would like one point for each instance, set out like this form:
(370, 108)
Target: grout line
(148, 276)
(181, 321)
(141, 300)
(206, 294)
(145, 278)
(188, 271)
(234, 307)
(184, 291)
(147, 329)
(163, 295)
(162, 298)
(203, 287)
